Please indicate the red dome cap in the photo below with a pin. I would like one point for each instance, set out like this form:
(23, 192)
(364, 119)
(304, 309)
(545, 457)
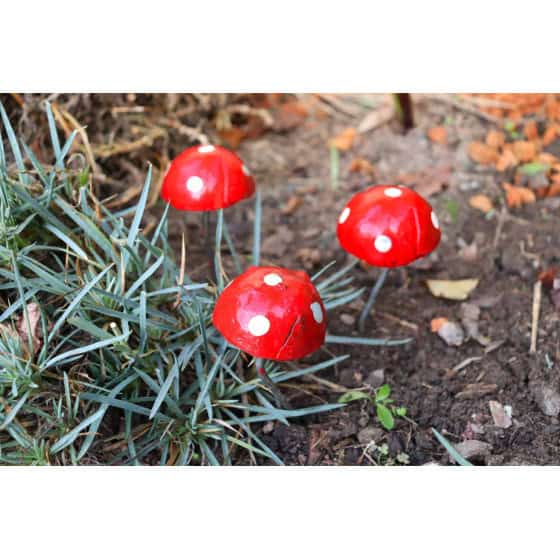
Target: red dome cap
(206, 178)
(388, 226)
(272, 313)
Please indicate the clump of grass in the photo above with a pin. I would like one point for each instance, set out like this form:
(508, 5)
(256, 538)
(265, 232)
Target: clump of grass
(122, 364)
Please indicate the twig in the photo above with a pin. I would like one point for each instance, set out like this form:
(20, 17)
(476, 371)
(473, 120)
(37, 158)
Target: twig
(462, 106)
(537, 292)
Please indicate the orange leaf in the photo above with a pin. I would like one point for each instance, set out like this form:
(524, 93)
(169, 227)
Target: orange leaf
(344, 140)
(481, 153)
(550, 134)
(232, 136)
(481, 202)
(546, 158)
(437, 323)
(524, 151)
(517, 196)
(360, 165)
(438, 134)
(495, 139)
(507, 159)
(530, 130)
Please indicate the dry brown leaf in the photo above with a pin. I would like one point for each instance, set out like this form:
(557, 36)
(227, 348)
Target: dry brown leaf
(437, 323)
(344, 140)
(495, 139)
(289, 115)
(524, 151)
(518, 196)
(438, 134)
(481, 153)
(360, 165)
(452, 289)
(428, 182)
(507, 159)
(481, 202)
(294, 202)
(232, 136)
(376, 118)
(530, 130)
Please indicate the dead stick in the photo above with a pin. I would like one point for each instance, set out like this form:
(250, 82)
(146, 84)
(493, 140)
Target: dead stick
(537, 292)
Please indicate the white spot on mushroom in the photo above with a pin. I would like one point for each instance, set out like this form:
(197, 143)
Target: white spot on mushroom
(393, 192)
(206, 149)
(382, 243)
(195, 184)
(272, 279)
(344, 215)
(435, 220)
(317, 311)
(245, 170)
(258, 325)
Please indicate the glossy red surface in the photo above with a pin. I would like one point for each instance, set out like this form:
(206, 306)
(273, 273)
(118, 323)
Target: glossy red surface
(206, 178)
(388, 226)
(272, 313)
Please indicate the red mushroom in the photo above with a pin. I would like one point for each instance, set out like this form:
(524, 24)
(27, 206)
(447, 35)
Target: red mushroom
(204, 178)
(387, 226)
(271, 313)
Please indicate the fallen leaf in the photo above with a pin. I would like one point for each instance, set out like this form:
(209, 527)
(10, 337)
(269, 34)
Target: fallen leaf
(524, 151)
(438, 134)
(533, 168)
(530, 130)
(481, 153)
(554, 189)
(452, 289)
(294, 202)
(232, 136)
(500, 415)
(495, 139)
(547, 277)
(481, 202)
(428, 182)
(289, 115)
(550, 134)
(437, 322)
(344, 140)
(518, 196)
(506, 160)
(360, 165)
(377, 117)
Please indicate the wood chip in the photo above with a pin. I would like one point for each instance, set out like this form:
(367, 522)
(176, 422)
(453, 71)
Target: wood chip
(475, 390)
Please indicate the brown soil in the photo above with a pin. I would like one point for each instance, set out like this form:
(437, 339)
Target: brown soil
(511, 248)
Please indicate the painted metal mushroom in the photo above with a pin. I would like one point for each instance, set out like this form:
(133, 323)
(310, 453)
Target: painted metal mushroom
(387, 226)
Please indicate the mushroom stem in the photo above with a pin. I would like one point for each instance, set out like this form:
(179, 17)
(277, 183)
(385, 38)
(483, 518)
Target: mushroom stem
(278, 396)
(372, 297)
(208, 243)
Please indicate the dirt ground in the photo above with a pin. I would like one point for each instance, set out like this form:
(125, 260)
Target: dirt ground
(448, 388)
(444, 387)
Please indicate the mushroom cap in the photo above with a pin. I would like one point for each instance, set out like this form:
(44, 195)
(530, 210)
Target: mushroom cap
(206, 178)
(388, 226)
(271, 312)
